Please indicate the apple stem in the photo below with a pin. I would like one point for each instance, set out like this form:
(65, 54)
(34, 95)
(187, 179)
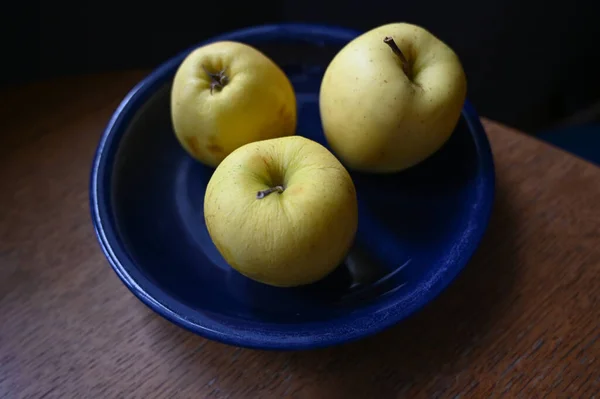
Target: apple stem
(219, 79)
(263, 193)
(405, 65)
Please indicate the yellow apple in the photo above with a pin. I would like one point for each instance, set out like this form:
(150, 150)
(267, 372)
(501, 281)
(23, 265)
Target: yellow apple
(282, 211)
(391, 98)
(226, 94)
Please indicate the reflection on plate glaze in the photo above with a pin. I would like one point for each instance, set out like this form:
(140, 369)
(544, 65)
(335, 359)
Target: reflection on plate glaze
(370, 278)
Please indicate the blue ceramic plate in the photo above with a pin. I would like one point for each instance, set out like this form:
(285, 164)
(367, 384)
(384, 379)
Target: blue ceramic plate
(417, 229)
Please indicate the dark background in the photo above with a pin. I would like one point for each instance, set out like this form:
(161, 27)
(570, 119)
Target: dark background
(531, 64)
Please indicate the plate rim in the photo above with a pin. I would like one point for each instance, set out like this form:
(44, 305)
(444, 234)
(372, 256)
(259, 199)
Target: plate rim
(339, 331)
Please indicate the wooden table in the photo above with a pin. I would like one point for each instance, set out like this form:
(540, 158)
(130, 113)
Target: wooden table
(523, 320)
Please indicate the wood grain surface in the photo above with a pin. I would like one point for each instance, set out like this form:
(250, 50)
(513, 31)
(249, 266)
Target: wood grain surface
(523, 319)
